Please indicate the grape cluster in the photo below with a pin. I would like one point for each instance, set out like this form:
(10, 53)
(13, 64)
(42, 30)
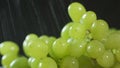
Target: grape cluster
(85, 42)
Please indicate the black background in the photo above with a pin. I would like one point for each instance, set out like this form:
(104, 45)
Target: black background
(21, 17)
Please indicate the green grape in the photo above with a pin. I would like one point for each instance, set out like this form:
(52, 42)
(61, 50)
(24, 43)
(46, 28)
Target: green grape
(95, 48)
(47, 63)
(77, 31)
(9, 47)
(75, 11)
(99, 30)
(26, 47)
(65, 30)
(112, 30)
(0, 51)
(88, 36)
(118, 31)
(20, 62)
(60, 48)
(48, 40)
(69, 62)
(35, 63)
(117, 54)
(44, 38)
(51, 41)
(85, 62)
(7, 59)
(29, 38)
(77, 48)
(52, 55)
(88, 18)
(106, 60)
(5, 67)
(117, 65)
(96, 65)
(38, 49)
(113, 41)
(30, 59)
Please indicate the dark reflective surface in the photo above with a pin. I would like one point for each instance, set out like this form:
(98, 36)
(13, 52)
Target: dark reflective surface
(21, 17)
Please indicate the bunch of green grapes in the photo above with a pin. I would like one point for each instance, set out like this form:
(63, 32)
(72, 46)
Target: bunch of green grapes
(9, 51)
(85, 42)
